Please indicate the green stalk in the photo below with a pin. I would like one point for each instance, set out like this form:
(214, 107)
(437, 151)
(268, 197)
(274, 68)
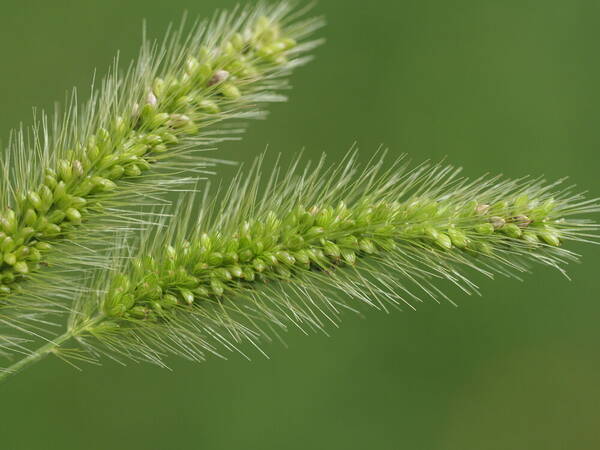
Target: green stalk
(51, 347)
(36, 355)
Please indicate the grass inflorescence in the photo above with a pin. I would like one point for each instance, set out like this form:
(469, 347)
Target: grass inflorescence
(164, 108)
(294, 249)
(274, 258)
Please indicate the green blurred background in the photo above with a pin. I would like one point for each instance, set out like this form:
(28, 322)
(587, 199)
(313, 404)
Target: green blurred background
(506, 86)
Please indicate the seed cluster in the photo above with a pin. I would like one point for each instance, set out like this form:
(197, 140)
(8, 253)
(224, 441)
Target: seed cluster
(212, 83)
(281, 246)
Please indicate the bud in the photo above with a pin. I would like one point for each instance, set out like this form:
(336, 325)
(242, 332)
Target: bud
(367, 246)
(10, 259)
(230, 91)
(218, 77)
(458, 238)
(170, 301)
(288, 259)
(50, 181)
(78, 202)
(65, 170)
(157, 307)
(530, 237)
(106, 327)
(542, 212)
(444, 241)
(245, 255)
(158, 86)
(85, 187)
(155, 121)
(222, 274)
(103, 184)
(484, 248)
(215, 259)
(324, 217)
(51, 230)
(201, 292)
(60, 191)
(192, 65)
(8, 244)
(132, 170)
(209, 106)
(349, 257)
(138, 312)
(24, 234)
(349, 242)
(289, 43)
(103, 136)
(313, 232)
(249, 274)
(119, 128)
(432, 233)
(238, 41)
(259, 265)
(179, 120)
(151, 99)
(302, 257)
(171, 252)
(109, 161)
(8, 221)
(57, 216)
(169, 138)
(43, 246)
(485, 228)
(266, 52)
(550, 237)
(521, 202)
(78, 168)
(22, 252)
(4, 290)
(34, 255)
(116, 172)
(30, 217)
(21, 267)
(187, 295)
(482, 209)
(331, 249)
(34, 200)
(73, 215)
(499, 208)
(521, 221)
(139, 149)
(184, 102)
(497, 222)
(41, 223)
(217, 287)
(512, 230)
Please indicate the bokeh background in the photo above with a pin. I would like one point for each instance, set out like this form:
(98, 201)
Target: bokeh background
(506, 86)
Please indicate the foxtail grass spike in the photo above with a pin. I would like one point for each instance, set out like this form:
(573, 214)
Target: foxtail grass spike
(135, 138)
(319, 241)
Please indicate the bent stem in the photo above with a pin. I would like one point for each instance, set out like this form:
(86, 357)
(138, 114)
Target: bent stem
(46, 349)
